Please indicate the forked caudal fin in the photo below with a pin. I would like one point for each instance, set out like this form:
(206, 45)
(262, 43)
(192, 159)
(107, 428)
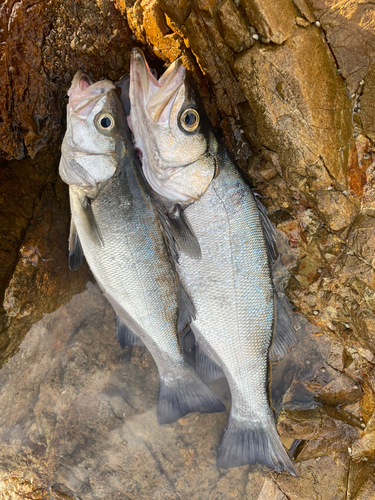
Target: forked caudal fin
(251, 443)
(186, 396)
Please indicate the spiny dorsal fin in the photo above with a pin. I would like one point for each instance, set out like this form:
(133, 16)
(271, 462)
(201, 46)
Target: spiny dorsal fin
(75, 248)
(268, 229)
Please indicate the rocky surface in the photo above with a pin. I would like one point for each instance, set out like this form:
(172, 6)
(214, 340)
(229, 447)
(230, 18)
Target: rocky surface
(290, 85)
(78, 421)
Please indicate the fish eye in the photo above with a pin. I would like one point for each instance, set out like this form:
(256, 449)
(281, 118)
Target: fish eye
(189, 120)
(105, 122)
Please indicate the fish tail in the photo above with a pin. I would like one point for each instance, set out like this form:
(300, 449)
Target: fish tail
(250, 443)
(188, 395)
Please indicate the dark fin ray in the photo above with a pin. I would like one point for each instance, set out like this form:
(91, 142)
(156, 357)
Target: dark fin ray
(206, 368)
(125, 336)
(75, 248)
(260, 443)
(179, 234)
(187, 396)
(90, 223)
(268, 229)
(284, 336)
(186, 312)
(124, 85)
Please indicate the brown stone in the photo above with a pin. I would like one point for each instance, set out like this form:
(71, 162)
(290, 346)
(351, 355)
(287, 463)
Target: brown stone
(274, 20)
(337, 210)
(350, 32)
(364, 448)
(234, 27)
(293, 106)
(339, 391)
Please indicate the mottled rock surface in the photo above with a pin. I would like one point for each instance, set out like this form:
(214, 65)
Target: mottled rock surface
(78, 418)
(291, 85)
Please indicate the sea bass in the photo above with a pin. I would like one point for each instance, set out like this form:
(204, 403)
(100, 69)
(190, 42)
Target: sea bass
(230, 284)
(116, 227)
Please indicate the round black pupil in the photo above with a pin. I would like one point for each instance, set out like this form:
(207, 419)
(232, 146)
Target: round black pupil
(105, 122)
(190, 119)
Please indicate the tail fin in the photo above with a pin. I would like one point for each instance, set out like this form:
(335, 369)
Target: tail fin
(250, 443)
(186, 396)
(206, 368)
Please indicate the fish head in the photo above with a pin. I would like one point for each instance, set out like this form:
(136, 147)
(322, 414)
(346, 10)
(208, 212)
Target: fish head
(96, 124)
(171, 130)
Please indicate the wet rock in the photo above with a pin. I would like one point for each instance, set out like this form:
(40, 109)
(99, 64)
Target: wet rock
(273, 20)
(235, 30)
(325, 478)
(349, 31)
(293, 106)
(364, 447)
(339, 391)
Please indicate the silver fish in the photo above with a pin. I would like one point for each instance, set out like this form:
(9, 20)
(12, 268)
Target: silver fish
(116, 227)
(231, 283)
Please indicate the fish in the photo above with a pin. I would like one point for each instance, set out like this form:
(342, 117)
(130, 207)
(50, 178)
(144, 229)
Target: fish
(230, 284)
(115, 226)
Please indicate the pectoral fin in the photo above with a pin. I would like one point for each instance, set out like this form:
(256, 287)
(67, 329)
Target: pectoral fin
(75, 248)
(91, 226)
(180, 235)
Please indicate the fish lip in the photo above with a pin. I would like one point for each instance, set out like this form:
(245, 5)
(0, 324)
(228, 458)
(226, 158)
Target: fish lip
(84, 93)
(157, 95)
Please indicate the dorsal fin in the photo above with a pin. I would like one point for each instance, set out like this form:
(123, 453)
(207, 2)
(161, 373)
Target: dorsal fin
(268, 229)
(284, 336)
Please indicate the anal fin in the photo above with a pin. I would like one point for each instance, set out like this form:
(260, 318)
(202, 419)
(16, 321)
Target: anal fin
(206, 368)
(186, 396)
(75, 248)
(186, 312)
(125, 336)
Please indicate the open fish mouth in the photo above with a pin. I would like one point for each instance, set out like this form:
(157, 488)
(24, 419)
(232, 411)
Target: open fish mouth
(84, 94)
(157, 96)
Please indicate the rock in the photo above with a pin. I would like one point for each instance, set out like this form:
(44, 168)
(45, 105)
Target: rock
(273, 20)
(349, 31)
(234, 27)
(339, 391)
(364, 447)
(293, 106)
(337, 210)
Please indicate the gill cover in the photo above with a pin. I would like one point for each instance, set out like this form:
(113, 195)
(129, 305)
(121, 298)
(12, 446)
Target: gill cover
(178, 148)
(88, 149)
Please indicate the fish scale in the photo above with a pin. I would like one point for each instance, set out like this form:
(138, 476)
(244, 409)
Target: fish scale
(201, 197)
(118, 230)
(233, 294)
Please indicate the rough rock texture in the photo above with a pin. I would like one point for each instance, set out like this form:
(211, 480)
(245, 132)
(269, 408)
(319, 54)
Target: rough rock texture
(291, 85)
(78, 418)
